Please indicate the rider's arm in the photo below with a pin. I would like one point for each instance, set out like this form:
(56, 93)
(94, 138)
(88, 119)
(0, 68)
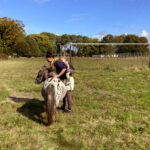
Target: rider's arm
(61, 73)
(62, 67)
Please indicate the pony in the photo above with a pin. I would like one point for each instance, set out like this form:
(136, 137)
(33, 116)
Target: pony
(53, 91)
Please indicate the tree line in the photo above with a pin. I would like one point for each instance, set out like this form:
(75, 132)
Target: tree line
(14, 41)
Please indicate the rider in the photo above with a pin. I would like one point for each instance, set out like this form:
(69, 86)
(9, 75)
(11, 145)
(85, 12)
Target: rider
(68, 72)
(61, 73)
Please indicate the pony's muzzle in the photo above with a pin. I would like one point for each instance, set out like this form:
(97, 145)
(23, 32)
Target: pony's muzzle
(36, 82)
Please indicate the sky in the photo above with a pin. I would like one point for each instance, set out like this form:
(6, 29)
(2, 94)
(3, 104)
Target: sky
(93, 18)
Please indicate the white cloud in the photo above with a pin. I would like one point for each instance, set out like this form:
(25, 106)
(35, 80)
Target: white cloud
(41, 1)
(146, 34)
(57, 34)
(100, 35)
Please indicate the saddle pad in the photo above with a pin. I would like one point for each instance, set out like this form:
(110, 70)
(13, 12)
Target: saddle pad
(60, 88)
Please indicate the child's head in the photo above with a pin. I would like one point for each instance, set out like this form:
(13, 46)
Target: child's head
(63, 58)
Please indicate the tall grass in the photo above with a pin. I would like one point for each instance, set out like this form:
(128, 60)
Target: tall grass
(111, 104)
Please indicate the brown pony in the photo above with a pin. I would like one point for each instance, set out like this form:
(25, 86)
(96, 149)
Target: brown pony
(48, 93)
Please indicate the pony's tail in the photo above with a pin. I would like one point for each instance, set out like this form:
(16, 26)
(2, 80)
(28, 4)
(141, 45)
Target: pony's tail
(51, 105)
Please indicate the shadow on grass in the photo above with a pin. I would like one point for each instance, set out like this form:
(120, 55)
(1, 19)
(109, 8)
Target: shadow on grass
(32, 109)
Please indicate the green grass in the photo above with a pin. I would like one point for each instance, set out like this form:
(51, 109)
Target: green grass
(111, 107)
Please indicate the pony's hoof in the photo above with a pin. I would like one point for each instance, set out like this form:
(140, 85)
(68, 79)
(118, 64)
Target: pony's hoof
(48, 124)
(61, 108)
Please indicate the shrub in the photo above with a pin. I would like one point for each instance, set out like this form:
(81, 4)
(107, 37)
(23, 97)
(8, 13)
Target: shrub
(22, 48)
(3, 56)
(34, 48)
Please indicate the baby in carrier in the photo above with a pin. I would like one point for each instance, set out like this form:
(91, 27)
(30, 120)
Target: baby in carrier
(69, 69)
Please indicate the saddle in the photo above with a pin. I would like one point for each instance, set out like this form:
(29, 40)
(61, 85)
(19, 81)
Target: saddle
(60, 88)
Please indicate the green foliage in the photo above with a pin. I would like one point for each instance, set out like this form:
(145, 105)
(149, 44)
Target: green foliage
(44, 43)
(27, 47)
(124, 49)
(73, 53)
(107, 49)
(3, 56)
(23, 48)
(1, 48)
(34, 49)
(142, 49)
(51, 36)
(65, 39)
(13, 40)
(132, 49)
(10, 32)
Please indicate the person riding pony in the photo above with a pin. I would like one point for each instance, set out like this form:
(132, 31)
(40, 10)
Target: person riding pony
(56, 64)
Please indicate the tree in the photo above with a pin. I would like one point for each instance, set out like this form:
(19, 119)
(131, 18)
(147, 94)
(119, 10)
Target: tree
(143, 49)
(23, 48)
(10, 32)
(118, 39)
(51, 36)
(65, 39)
(44, 43)
(34, 49)
(133, 48)
(1, 49)
(107, 49)
(73, 53)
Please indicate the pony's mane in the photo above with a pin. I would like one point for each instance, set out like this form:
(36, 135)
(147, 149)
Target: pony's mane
(47, 70)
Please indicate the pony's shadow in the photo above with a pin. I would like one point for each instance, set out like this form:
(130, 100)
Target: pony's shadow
(32, 109)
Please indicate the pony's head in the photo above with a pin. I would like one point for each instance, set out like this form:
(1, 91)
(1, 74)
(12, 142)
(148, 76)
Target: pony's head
(42, 75)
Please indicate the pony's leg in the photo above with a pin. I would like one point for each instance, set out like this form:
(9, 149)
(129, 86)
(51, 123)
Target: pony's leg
(43, 93)
(51, 105)
(45, 98)
(57, 103)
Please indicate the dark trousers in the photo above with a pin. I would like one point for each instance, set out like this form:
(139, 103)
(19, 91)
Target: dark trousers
(68, 100)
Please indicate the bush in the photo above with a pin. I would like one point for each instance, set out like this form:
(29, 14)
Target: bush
(27, 47)
(22, 48)
(34, 48)
(3, 56)
(44, 43)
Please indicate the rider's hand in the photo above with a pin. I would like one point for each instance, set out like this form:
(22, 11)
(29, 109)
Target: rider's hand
(55, 76)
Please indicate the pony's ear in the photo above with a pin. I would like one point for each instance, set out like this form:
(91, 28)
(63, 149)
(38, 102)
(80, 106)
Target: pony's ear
(45, 71)
(43, 67)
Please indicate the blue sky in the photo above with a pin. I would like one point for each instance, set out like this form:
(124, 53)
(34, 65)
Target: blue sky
(93, 18)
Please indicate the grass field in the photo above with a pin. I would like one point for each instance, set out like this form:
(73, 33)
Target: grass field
(111, 107)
